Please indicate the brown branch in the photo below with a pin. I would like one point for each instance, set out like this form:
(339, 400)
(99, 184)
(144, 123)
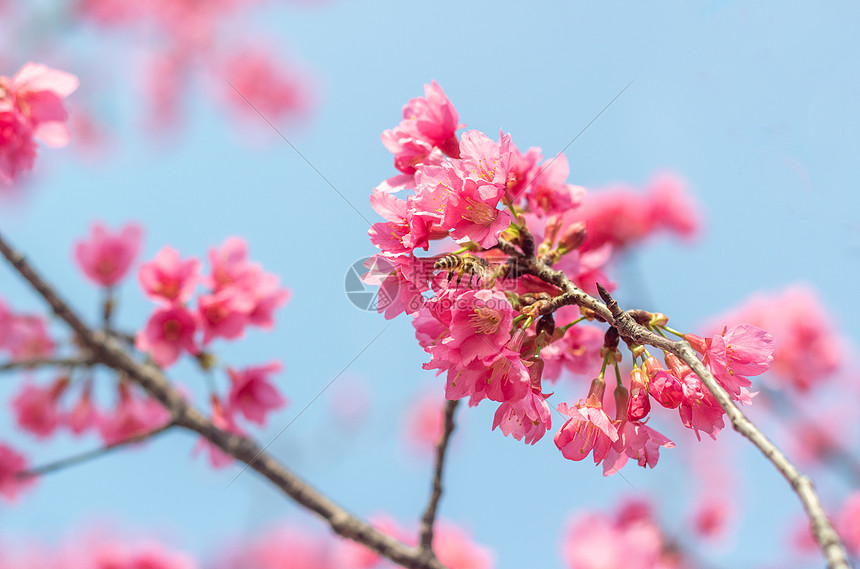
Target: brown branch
(826, 536)
(90, 455)
(32, 363)
(107, 350)
(429, 518)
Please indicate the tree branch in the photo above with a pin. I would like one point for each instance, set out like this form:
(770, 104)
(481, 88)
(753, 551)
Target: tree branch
(32, 363)
(429, 518)
(96, 453)
(107, 350)
(826, 536)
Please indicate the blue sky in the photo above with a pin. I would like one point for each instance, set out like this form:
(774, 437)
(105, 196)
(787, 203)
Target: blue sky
(753, 103)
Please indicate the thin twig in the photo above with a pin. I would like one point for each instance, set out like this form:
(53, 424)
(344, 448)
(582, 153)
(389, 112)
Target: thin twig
(108, 351)
(92, 454)
(429, 518)
(33, 363)
(822, 529)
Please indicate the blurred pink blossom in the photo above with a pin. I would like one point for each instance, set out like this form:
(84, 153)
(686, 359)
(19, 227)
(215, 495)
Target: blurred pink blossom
(106, 257)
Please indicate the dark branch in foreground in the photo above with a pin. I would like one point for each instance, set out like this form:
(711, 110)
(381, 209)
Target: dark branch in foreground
(90, 455)
(429, 518)
(108, 351)
(826, 536)
(33, 363)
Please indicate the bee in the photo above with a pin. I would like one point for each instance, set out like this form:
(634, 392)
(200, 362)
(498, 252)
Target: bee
(463, 264)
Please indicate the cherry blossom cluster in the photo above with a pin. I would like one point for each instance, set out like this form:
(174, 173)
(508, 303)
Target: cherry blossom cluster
(239, 294)
(192, 37)
(808, 350)
(97, 551)
(454, 547)
(630, 538)
(177, 44)
(481, 317)
(31, 107)
(286, 544)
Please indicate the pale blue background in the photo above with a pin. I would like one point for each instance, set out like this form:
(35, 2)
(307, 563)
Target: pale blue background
(755, 103)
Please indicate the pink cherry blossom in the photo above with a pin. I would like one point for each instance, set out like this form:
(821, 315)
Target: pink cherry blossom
(225, 313)
(402, 289)
(578, 351)
(699, 409)
(252, 394)
(223, 419)
(589, 428)
(396, 235)
(287, 546)
(37, 408)
(848, 522)
(409, 152)
(663, 386)
(671, 205)
(17, 149)
(523, 168)
(480, 324)
(549, 191)
(594, 541)
(456, 549)
(39, 92)
(473, 214)
(106, 257)
(274, 88)
(501, 377)
(622, 216)
(84, 414)
(243, 294)
(712, 515)
(527, 419)
(135, 414)
(428, 329)
(167, 278)
(637, 441)
(229, 263)
(12, 462)
(142, 555)
(27, 336)
(434, 119)
(268, 295)
(734, 354)
(639, 405)
(168, 333)
(807, 347)
(484, 160)
(423, 421)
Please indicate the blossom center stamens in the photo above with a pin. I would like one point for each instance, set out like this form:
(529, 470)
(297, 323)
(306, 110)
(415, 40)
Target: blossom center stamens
(485, 320)
(480, 213)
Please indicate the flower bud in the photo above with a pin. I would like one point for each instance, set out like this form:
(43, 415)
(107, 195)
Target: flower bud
(621, 398)
(678, 368)
(545, 324)
(595, 393)
(535, 371)
(553, 226)
(698, 343)
(610, 338)
(666, 389)
(639, 404)
(572, 238)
